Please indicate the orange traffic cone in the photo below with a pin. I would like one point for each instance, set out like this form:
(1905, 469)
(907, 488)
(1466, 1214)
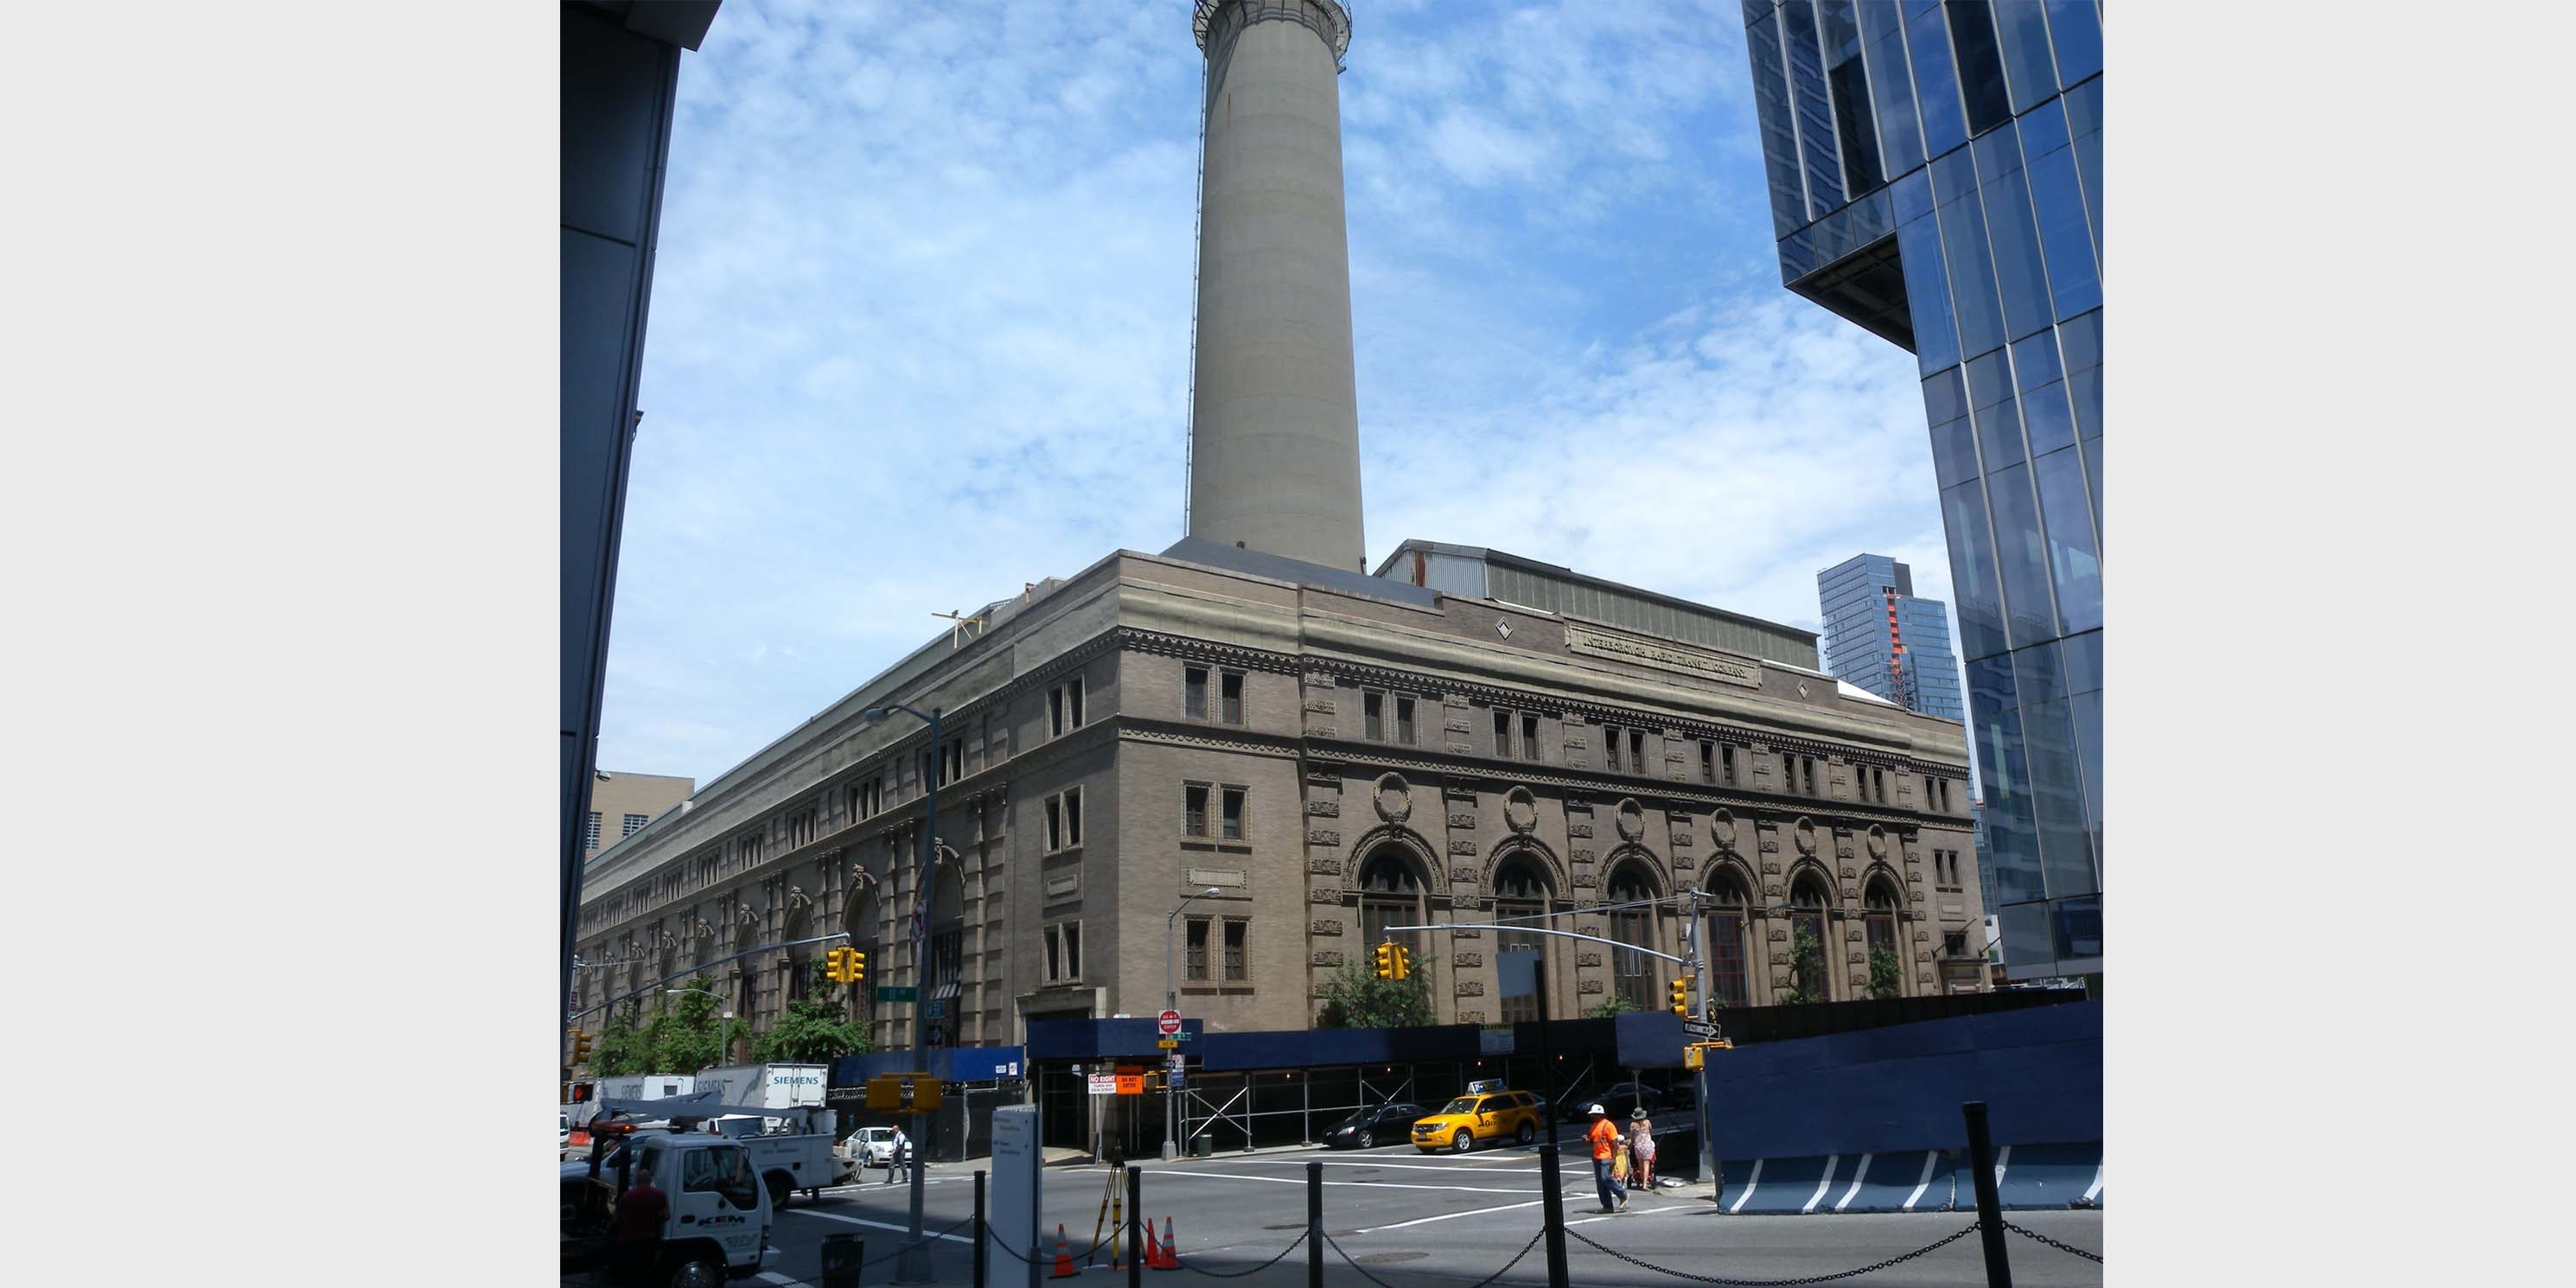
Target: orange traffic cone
(1153, 1251)
(1171, 1251)
(1063, 1257)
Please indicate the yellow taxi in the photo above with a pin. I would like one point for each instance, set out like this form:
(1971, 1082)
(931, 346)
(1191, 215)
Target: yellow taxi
(1480, 1115)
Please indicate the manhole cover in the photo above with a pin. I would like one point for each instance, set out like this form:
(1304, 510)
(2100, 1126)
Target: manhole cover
(1386, 1258)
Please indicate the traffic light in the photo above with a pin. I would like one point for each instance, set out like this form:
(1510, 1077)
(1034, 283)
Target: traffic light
(858, 966)
(1681, 996)
(1386, 960)
(580, 1047)
(841, 965)
(1403, 961)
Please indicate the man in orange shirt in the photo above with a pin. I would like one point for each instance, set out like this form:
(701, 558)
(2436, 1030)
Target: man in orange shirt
(1605, 1142)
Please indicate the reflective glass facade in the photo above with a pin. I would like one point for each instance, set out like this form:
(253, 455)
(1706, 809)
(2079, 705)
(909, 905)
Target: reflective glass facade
(1880, 636)
(1935, 176)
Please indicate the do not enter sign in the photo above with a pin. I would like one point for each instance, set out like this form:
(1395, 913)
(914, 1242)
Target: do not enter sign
(1169, 1022)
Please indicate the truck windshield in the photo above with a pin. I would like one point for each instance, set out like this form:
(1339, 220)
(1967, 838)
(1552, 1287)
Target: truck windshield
(723, 1171)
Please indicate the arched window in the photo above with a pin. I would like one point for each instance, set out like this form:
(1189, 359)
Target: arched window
(1878, 916)
(1636, 975)
(859, 918)
(1727, 924)
(1390, 895)
(1811, 953)
(1520, 890)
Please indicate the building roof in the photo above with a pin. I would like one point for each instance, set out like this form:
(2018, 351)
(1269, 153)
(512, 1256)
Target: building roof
(1555, 588)
(1216, 554)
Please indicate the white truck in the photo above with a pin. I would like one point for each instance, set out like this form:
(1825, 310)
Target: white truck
(647, 1086)
(767, 1086)
(792, 1153)
(718, 1226)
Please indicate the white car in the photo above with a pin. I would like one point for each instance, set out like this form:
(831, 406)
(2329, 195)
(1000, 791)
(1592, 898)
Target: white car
(867, 1147)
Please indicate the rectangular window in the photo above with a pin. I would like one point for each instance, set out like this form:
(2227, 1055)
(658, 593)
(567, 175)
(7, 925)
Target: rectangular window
(2075, 32)
(1891, 87)
(1779, 131)
(1954, 945)
(2072, 564)
(1054, 955)
(1194, 692)
(1232, 695)
(1073, 700)
(1233, 822)
(1878, 781)
(2021, 555)
(2019, 273)
(2030, 75)
(1788, 772)
(1637, 751)
(1707, 761)
(2065, 233)
(1194, 810)
(1936, 82)
(1373, 716)
(590, 832)
(1054, 823)
(1073, 950)
(1856, 128)
(1404, 721)
(1972, 561)
(1064, 820)
(1981, 64)
(1064, 708)
(1809, 764)
(1610, 746)
(1064, 952)
(1073, 817)
(1927, 287)
(1966, 255)
(1055, 713)
(634, 823)
(1529, 738)
(1195, 965)
(1236, 970)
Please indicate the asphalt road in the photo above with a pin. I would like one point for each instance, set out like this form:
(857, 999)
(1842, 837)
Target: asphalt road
(1426, 1221)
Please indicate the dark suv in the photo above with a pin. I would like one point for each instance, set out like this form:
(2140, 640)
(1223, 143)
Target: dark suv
(1385, 1125)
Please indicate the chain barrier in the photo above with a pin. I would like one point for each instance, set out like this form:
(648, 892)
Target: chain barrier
(1238, 1274)
(928, 1237)
(1943, 1241)
(2094, 1257)
(1481, 1283)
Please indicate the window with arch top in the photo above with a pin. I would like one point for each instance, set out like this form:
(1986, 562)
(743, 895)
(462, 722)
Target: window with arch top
(1633, 972)
(1520, 890)
(1728, 923)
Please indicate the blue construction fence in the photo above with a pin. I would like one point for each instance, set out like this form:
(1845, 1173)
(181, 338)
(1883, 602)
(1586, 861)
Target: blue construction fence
(1869, 1121)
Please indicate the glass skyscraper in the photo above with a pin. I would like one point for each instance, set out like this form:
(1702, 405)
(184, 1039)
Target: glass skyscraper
(1880, 636)
(1935, 176)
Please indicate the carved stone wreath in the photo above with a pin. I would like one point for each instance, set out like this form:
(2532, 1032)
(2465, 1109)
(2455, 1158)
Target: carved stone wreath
(1631, 819)
(1877, 841)
(1394, 799)
(1520, 810)
(1721, 829)
(1805, 835)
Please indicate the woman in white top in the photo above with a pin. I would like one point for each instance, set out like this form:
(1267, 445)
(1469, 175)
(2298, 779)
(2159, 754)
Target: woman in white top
(1641, 1147)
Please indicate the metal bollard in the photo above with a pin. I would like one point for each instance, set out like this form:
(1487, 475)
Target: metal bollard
(1314, 1224)
(1990, 1205)
(1135, 1218)
(979, 1228)
(1554, 1215)
(842, 1256)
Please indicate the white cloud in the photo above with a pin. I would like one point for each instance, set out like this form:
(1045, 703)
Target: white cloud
(920, 332)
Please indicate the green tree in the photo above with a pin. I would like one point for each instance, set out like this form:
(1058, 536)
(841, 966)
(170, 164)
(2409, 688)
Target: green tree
(1605, 1010)
(1355, 998)
(687, 1038)
(1807, 982)
(1886, 974)
(620, 1049)
(812, 1032)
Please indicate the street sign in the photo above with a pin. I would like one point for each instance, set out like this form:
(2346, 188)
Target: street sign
(1169, 1022)
(897, 992)
(1104, 1084)
(937, 1010)
(1130, 1084)
(1169, 1044)
(1699, 1030)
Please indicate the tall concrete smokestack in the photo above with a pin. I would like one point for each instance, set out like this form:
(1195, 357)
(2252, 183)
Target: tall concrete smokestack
(1274, 409)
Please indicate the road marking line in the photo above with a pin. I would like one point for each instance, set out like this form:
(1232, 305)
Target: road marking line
(1857, 1174)
(1449, 1216)
(1929, 1158)
(879, 1225)
(1749, 1183)
(2095, 1190)
(1415, 1167)
(1822, 1185)
(1366, 1185)
(773, 1277)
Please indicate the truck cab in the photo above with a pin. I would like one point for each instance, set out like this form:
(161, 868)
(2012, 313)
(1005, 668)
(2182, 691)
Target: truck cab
(718, 1227)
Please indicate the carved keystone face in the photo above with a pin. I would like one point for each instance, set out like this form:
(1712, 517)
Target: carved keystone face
(1520, 810)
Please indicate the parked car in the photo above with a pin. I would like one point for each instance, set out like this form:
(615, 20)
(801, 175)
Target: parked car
(1483, 1116)
(1385, 1125)
(865, 1148)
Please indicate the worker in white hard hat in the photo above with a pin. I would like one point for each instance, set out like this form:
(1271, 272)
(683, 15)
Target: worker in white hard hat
(1604, 1136)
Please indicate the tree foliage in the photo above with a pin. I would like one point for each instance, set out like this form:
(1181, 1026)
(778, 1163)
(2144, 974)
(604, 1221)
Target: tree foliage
(1807, 979)
(1355, 998)
(812, 1032)
(1604, 1010)
(1886, 974)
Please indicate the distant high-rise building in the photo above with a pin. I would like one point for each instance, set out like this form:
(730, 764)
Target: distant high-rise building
(1935, 177)
(1880, 636)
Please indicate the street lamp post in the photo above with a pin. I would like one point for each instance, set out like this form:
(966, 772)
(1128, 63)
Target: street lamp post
(1172, 1002)
(912, 1261)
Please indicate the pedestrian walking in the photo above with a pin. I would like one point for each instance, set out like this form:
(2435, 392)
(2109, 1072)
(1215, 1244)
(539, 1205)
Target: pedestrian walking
(894, 1155)
(1605, 1145)
(1641, 1147)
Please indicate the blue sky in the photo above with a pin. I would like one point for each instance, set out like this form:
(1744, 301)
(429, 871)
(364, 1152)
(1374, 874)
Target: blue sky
(920, 331)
